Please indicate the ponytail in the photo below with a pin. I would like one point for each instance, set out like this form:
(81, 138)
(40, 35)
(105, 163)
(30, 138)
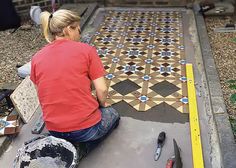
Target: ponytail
(53, 24)
(44, 18)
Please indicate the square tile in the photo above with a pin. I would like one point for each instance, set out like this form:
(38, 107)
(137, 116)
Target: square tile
(165, 88)
(9, 125)
(125, 87)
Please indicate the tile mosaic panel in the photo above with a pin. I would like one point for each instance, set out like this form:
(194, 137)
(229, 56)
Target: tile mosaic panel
(25, 99)
(143, 49)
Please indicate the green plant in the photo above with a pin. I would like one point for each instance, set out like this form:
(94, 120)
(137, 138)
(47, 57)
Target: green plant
(232, 81)
(232, 84)
(233, 98)
(233, 125)
(234, 40)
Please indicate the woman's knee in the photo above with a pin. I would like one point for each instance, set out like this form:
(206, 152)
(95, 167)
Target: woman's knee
(110, 111)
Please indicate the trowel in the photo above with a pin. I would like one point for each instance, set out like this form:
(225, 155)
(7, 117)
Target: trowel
(160, 143)
(175, 161)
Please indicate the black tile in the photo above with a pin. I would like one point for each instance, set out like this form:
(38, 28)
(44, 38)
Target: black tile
(125, 87)
(165, 88)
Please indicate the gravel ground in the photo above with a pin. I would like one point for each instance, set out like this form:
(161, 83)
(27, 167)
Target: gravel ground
(224, 52)
(17, 49)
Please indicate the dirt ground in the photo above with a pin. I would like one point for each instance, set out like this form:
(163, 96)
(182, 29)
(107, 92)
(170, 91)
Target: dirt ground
(224, 52)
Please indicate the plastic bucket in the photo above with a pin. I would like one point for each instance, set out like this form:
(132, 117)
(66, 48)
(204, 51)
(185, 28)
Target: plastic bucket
(46, 152)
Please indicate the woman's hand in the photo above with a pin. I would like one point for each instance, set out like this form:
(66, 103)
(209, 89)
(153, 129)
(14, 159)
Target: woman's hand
(106, 105)
(101, 91)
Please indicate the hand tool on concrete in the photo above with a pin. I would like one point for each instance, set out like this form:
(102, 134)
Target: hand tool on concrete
(175, 161)
(170, 162)
(160, 143)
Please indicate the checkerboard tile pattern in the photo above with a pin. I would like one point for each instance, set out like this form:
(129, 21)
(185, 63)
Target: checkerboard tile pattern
(143, 55)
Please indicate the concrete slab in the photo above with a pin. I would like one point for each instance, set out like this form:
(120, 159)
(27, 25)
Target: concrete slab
(133, 144)
(228, 145)
(218, 105)
(215, 88)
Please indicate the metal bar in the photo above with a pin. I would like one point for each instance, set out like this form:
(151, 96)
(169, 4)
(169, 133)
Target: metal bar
(194, 122)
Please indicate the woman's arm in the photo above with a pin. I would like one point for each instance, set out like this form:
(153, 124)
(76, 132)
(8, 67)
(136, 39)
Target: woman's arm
(101, 91)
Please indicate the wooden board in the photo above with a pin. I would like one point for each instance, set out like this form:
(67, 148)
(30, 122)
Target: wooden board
(25, 99)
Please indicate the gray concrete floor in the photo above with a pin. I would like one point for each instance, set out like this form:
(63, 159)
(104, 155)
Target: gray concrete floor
(101, 155)
(133, 143)
(141, 155)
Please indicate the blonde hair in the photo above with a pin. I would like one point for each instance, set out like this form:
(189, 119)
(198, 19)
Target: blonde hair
(53, 24)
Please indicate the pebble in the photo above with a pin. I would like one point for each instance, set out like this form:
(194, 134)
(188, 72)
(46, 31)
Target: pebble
(17, 49)
(224, 53)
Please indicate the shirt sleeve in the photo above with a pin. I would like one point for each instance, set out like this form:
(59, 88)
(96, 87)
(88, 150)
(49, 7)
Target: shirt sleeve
(96, 69)
(32, 73)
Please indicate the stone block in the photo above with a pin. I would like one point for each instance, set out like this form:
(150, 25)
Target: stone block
(213, 78)
(215, 89)
(228, 146)
(218, 105)
(224, 130)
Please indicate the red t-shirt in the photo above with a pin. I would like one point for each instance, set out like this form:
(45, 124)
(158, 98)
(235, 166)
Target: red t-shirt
(62, 72)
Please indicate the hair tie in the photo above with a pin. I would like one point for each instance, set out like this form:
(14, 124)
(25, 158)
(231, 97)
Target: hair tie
(49, 19)
(50, 16)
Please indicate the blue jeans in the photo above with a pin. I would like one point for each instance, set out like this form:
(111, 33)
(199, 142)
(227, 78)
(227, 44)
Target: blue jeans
(87, 139)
